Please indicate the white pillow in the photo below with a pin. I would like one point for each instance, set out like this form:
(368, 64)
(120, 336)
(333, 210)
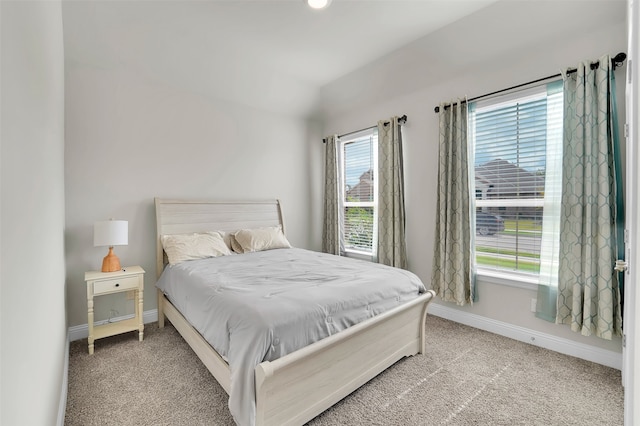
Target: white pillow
(183, 247)
(228, 238)
(258, 239)
(235, 246)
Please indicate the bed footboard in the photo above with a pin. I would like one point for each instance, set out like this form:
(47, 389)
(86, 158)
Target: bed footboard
(294, 389)
(297, 387)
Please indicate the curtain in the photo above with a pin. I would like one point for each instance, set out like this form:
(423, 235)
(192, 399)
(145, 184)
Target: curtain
(546, 307)
(331, 241)
(453, 276)
(391, 214)
(588, 292)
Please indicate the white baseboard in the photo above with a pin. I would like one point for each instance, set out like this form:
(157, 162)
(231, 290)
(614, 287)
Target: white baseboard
(548, 341)
(62, 405)
(81, 331)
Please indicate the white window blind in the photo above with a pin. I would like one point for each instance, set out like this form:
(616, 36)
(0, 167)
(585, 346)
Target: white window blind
(359, 192)
(511, 135)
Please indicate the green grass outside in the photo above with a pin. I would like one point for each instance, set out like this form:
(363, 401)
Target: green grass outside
(525, 227)
(494, 250)
(506, 263)
(526, 261)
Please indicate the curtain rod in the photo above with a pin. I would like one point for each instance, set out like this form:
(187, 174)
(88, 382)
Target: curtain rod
(615, 61)
(401, 120)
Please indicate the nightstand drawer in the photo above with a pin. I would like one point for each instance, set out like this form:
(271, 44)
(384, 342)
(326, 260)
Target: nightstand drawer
(116, 284)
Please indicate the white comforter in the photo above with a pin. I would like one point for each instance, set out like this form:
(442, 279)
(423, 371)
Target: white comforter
(260, 306)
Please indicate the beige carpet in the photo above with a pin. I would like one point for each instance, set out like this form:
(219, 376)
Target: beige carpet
(467, 377)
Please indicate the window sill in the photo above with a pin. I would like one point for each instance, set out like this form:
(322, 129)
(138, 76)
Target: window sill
(362, 255)
(524, 281)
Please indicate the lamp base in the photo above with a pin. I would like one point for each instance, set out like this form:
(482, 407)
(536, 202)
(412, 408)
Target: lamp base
(110, 263)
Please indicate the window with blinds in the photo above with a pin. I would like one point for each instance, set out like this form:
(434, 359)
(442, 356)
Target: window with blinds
(511, 136)
(358, 170)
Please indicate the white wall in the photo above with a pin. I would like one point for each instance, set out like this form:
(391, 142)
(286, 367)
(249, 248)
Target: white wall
(32, 272)
(505, 44)
(130, 138)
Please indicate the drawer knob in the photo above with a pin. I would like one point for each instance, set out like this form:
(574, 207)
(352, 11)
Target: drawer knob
(117, 284)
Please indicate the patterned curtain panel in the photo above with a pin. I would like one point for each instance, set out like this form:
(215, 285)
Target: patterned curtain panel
(331, 216)
(588, 293)
(391, 216)
(453, 271)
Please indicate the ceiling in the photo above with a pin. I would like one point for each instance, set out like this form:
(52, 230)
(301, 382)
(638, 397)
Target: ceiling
(265, 53)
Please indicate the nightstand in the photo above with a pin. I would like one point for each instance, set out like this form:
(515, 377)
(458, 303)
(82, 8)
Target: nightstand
(130, 278)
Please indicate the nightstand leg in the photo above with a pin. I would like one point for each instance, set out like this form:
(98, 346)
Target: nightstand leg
(90, 324)
(140, 311)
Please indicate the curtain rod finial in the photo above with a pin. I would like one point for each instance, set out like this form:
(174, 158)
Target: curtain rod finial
(620, 57)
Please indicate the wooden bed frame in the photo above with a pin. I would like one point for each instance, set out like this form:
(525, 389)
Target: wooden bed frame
(297, 387)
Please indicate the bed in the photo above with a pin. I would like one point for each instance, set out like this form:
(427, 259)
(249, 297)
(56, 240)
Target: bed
(293, 388)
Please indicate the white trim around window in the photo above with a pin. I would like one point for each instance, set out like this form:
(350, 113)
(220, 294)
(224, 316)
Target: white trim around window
(358, 193)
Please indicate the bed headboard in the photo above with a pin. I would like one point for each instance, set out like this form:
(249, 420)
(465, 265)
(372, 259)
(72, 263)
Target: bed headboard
(185, 216)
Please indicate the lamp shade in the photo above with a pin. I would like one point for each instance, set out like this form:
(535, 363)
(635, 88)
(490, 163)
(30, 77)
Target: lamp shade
(111, 233)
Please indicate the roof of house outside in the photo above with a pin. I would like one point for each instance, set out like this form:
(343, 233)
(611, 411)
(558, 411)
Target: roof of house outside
(363, 190)
(505, 179)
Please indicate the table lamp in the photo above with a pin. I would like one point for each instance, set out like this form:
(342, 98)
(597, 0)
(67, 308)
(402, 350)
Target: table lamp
(111, 233)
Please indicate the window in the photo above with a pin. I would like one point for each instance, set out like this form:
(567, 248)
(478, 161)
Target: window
(512, 136)
(358, 186)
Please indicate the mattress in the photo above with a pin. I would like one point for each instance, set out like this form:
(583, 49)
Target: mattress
(257, 307)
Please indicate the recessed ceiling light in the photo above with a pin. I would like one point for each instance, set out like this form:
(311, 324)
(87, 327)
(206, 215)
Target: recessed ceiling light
(318, 4)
